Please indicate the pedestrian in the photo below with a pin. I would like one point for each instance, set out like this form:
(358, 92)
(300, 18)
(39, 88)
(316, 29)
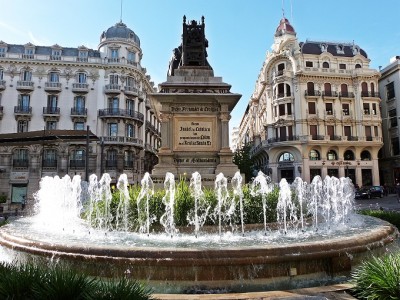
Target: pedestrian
(398, 190)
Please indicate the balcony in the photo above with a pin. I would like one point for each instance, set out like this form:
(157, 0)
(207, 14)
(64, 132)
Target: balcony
(82, 59)
(27, 56)
(348, 95)
(55, 57)
(112, 89)
(312, 93)
(21, 163)
(80, 87)
(23, 110)
(114, 60)
(150, 127)
(24, 85)
(122, 140)
(121, 113)
(368, 94)
(282, 95)
(352, 138)
(78, 112)
(317, 137)
(329, 94)
(51, 111)
(77, 163)
(49, 163)
(2, 85)
(130, 90)
(52, 86)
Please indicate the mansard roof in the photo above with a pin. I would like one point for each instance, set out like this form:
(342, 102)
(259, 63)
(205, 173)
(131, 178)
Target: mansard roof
(47, 50)
(336, 49)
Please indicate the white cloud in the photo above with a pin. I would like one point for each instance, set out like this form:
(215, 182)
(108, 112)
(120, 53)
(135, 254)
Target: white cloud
(37, 41)
(12, 30)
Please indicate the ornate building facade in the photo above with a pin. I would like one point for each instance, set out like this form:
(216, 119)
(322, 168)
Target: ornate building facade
(57, 92)
(315, 110)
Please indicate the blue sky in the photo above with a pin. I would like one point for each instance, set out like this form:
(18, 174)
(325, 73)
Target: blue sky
(239, 32)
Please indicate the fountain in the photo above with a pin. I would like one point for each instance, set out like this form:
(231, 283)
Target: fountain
(317, 238)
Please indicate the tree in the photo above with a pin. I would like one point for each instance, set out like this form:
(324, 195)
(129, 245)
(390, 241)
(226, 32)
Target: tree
(242, 159)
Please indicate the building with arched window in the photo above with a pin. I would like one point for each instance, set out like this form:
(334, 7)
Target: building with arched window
(315, 110)
(62, 89)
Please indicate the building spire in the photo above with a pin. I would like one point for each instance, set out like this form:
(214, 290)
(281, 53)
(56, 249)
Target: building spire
(283, 9)
(120, 19)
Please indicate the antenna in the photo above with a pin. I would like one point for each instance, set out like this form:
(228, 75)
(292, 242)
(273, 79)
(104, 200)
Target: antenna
(120, 19)
(283, 8)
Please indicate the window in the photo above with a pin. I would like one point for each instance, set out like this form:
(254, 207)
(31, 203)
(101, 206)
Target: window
(368, 133)
(3, 52)
(49, 158)
(374, 108)
(20, 158)
(114, 53)
(289, 109)
(22, 126)
(130, 106)
(327, 89)
(79, 105)
(331, 155)
(280, 69)
(346, 109)
(130, 81)
(1, 73)
(112, 129)
(395, 146)
(286, 157)
(79, 126)
(342, 66)
(358, 66)
(54, 77)
(364, 89)
(309, 64)
(113, 79)
(131, 57)
(313, 132)
(83, 55)
(393, 117)
(26, 75)
(28, 51)
(311, 108)
(365, 155)
(52, 101)
(51, 125)
(329, 108)
(24, 102)
(347, 132)
(56, 52)
(81, 77)
(128, 159)
(130, 130)
(314, 155)
(77, 158)
(348, 155)
(390, 91)
(330, 130)
(282, 133)
(340, 49)
(366, 109)
(113, 105)
(111, 158)
(325, 65)
(18, 193)
(281, 109)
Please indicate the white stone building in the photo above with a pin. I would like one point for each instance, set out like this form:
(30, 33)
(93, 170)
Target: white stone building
(56, 93)
(315, 110)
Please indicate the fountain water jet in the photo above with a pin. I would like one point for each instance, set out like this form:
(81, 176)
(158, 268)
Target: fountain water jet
(230, 261)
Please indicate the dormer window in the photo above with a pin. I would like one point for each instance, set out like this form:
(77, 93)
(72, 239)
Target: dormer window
(324, 47)
(83, 55)
(340, 49)
(114, 55)
(55, 54)
(325, 65)
(29, 52)
(356, 50)
(3, 51)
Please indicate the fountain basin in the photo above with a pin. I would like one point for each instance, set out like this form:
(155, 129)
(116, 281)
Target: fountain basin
(173, 266)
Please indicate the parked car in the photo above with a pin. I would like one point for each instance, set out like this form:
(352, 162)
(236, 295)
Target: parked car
(369, 192)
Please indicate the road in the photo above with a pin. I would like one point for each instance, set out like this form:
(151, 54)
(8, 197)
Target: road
(387, 203)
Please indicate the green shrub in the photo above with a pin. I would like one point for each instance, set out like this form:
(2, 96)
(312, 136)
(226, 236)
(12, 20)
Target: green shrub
(392, 217)
(378, 278)
(28, 281)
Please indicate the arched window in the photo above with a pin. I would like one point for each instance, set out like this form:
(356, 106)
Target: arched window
(111, 161)
(310, 89)
(20, 158)
(286, 157)
(325, 65)
(314, 155)
(348, 155)
(331, 155)
(365, 155)
(327, 89)
(364, 89)
(358, 66)
(49, 159)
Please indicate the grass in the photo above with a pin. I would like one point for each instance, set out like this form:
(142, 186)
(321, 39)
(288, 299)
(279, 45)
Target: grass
(392, 217)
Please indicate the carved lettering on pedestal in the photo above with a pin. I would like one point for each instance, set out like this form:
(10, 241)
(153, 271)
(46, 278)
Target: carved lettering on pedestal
(193, 134)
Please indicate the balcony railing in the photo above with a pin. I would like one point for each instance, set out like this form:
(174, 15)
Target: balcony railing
(346, 95)
(20, 163)
(112, 89)
(151, 127)
(82, 59)
(130, 90)
(352, 138)
(317, 137)
(55, 57)
(77, 163)
(49, 110)
(23, 109)
(329, 94)
(80, 87)
(49, 163)
(24, 85)
(117, 112)
(370, 94)
(28, 56)
(282, 95)
(283, 139)
(75, 111)
(122, 140)
(52, 86)
(312, 93)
